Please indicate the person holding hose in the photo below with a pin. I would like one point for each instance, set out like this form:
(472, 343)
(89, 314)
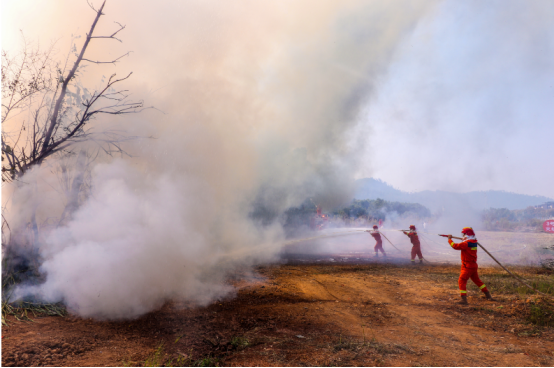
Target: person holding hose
(379, 242)
(416, 245)
(468, 247)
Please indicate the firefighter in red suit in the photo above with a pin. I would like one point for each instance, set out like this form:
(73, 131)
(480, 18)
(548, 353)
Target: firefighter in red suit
(379, 242)
(469, 263)
(416, 246)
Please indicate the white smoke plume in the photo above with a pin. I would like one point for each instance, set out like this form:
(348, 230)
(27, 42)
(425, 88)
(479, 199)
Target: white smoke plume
(259, 99)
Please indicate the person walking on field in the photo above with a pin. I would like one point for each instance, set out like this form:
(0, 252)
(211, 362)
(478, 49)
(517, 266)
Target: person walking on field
(379, 242)
(469, 263)
(416, 245)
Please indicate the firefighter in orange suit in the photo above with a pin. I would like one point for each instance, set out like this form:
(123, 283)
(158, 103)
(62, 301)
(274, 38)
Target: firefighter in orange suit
(469, 263)
(379, 242)
(416, 245)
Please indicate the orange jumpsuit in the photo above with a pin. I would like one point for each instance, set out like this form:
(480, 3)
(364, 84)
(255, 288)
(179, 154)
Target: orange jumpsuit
(469, 264)
(416, 248)
(379, 244)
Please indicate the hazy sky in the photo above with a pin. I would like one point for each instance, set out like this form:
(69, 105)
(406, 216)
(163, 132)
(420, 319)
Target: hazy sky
(468, 102)
(463, 102)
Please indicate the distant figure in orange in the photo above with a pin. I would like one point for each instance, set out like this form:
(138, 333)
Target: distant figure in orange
(379, 242)
(469, 263)
(416, 245)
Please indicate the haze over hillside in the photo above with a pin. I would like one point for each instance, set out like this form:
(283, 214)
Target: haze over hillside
(369, 188)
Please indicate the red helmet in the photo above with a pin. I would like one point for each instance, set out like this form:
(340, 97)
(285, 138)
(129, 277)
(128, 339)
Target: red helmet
(375, 226)
(412, 227)
(468, 231)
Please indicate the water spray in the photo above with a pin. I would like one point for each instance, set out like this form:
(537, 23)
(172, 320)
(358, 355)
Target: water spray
(350, 232)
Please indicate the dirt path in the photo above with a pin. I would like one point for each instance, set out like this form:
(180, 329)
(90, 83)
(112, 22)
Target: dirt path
(353, 313)
(406, 312)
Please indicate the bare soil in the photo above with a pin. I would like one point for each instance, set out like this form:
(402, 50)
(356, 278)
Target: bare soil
(354, 311)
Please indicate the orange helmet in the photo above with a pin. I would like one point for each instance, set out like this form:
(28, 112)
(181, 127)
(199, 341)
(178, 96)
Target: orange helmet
(468, 231)
(375, 226)
(412, 227)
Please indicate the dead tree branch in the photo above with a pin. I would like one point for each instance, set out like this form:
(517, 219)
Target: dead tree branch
(121, 28)
(107, 62)
(58, 120)
(70, 75)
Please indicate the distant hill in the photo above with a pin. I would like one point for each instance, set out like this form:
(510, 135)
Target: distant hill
(370, 188)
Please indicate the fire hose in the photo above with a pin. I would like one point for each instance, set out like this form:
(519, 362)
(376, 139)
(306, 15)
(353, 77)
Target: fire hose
(397, 248)
(332, 235)
(390, 242)
(518, 278)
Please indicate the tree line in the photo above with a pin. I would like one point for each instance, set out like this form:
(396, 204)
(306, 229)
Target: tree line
(503, 219)
(379, 208)
(367, 209)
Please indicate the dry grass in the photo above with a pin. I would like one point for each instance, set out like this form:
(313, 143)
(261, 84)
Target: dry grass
(532, 307)
(159, 358)
(22, 310)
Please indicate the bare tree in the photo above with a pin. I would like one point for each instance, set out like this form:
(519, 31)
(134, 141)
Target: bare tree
(57, 116)
(74, 176)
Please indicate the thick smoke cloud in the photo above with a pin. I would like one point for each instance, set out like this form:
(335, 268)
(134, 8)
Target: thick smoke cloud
(259, 101)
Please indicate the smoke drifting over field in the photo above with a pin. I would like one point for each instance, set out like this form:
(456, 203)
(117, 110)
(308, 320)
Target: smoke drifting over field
(468, 100)
(259, 102)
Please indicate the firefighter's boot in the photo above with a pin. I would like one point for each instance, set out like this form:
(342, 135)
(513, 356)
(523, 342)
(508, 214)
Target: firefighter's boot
(421, 261)
(463, 301)
(489, 296)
